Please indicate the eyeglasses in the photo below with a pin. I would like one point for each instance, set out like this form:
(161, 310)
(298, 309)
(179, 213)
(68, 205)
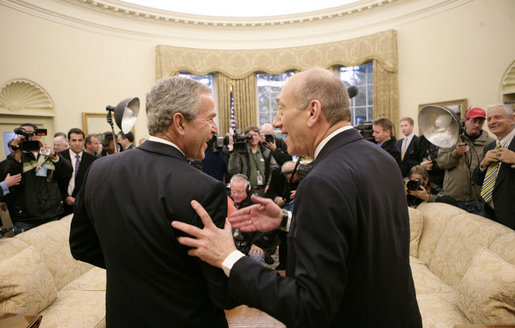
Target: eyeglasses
(237, 192)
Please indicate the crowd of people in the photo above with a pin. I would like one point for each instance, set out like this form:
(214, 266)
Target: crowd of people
(309, 203)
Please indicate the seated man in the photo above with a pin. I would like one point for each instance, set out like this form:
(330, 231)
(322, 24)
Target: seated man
(419, 189)
(253, 243)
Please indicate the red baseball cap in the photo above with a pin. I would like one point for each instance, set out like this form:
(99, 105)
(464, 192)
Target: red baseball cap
(476, 112)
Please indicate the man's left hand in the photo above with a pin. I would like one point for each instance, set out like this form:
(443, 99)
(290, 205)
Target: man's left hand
(211, 245)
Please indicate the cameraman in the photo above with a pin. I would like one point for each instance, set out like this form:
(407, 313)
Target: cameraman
(256, 162)
(276, 145)
(419, 189)
(37, 199)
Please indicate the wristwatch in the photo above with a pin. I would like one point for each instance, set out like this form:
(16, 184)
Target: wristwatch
(284, 219)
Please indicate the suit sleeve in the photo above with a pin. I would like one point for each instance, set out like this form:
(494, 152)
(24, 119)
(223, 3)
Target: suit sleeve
(215, 203)
(84, 243)
(309, 297)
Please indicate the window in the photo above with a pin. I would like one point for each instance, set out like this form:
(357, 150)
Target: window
(268, 88)
(206, 79)
(362, 105)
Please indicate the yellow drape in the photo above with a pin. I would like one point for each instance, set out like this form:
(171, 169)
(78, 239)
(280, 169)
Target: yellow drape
(245, 101)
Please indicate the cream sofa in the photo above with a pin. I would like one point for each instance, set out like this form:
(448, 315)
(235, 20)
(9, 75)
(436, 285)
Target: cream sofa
(463, 267)
(39, 275)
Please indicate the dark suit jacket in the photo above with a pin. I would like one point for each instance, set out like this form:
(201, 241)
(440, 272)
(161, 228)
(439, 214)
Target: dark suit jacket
(410, 157)
(504, 189)
(122, 221)
(85, 162)
(348, 246)
(389, 146)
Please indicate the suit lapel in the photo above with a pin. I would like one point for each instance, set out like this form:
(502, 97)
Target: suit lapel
(504, 168)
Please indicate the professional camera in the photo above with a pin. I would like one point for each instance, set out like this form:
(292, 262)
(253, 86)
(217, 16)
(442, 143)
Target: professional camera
(29, 145)
(217, 143)
(365, 128)
(269, 138)
(240, 142)
(414, 184)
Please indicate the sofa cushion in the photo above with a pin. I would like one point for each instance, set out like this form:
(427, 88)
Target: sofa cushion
(459, 242)
(93, 280)
(26, 285)
(436, 217)
(486, 294)
(427, 283)
(438, 312)
(504, 245)
(51, 239)
(10, 247)
(75, 309)
(416, 224)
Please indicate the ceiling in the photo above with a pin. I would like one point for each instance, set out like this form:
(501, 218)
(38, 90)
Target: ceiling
(239, 8)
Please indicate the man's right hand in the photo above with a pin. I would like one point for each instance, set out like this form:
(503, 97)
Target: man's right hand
(70, 200)
(264, 215)
(462, 148)
(490, 156)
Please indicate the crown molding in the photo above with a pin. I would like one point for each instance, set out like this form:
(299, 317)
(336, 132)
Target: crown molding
(137, 22)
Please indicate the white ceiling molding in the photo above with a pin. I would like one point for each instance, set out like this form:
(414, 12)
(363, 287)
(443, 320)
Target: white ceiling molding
(137, 22)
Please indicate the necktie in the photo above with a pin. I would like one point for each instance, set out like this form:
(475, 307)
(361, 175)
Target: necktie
(77, 164)
(489, 181)
(404, 142)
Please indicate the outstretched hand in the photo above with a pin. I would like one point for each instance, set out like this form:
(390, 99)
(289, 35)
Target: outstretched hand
(211, 244)
(264, 215)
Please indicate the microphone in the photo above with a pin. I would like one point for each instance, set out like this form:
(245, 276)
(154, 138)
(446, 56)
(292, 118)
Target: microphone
(352, 91)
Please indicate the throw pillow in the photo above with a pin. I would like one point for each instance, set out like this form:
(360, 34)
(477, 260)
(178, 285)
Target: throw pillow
(26, 285)
(486, 294)
(416, 224)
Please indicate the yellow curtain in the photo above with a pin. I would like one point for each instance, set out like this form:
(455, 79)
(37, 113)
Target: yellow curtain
(386, 93)
(245, 101)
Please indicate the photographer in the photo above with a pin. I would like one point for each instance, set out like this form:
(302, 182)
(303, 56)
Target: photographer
(276, 145)
(419, 189)
(460, 161)
(37, 199)
(255, 161)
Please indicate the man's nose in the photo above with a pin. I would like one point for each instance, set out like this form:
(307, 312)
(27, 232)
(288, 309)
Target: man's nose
(277, 121)
(214, 128)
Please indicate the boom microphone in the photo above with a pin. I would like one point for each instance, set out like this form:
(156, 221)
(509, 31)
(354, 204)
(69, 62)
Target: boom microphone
(352, 91)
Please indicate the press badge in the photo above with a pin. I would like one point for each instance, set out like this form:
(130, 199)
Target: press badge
(42, 172)
(259, 179)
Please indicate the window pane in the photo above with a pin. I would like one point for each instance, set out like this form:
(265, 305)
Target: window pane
(268, 88)
(362, 104)
(205, 79)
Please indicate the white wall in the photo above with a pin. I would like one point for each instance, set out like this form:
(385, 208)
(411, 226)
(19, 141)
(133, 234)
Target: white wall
(460, 52)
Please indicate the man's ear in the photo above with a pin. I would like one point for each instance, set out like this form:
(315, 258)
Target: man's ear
(314, 112)
(178, 123)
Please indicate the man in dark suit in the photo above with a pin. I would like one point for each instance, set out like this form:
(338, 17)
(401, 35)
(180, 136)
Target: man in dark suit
(382, 128)
(407, 146)
(80, 161)
(496, 171)
(348, 242)
(122, 217)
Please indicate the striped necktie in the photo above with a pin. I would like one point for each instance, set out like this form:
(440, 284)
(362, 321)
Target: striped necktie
(489, 181)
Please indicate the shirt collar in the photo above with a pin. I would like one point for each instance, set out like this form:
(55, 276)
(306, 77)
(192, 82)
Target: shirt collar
(72, 153)
(506, 141)
(321, 145)
(166, 142)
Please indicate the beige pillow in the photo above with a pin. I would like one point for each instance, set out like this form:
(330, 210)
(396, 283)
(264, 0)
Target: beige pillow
(486, 294)
(26, 285)
(416, 224)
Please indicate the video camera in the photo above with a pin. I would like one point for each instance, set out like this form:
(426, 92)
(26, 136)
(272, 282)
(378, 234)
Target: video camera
(366, 131)
(414, 184)
(240, 142)
(216, 143)
(30, 145)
